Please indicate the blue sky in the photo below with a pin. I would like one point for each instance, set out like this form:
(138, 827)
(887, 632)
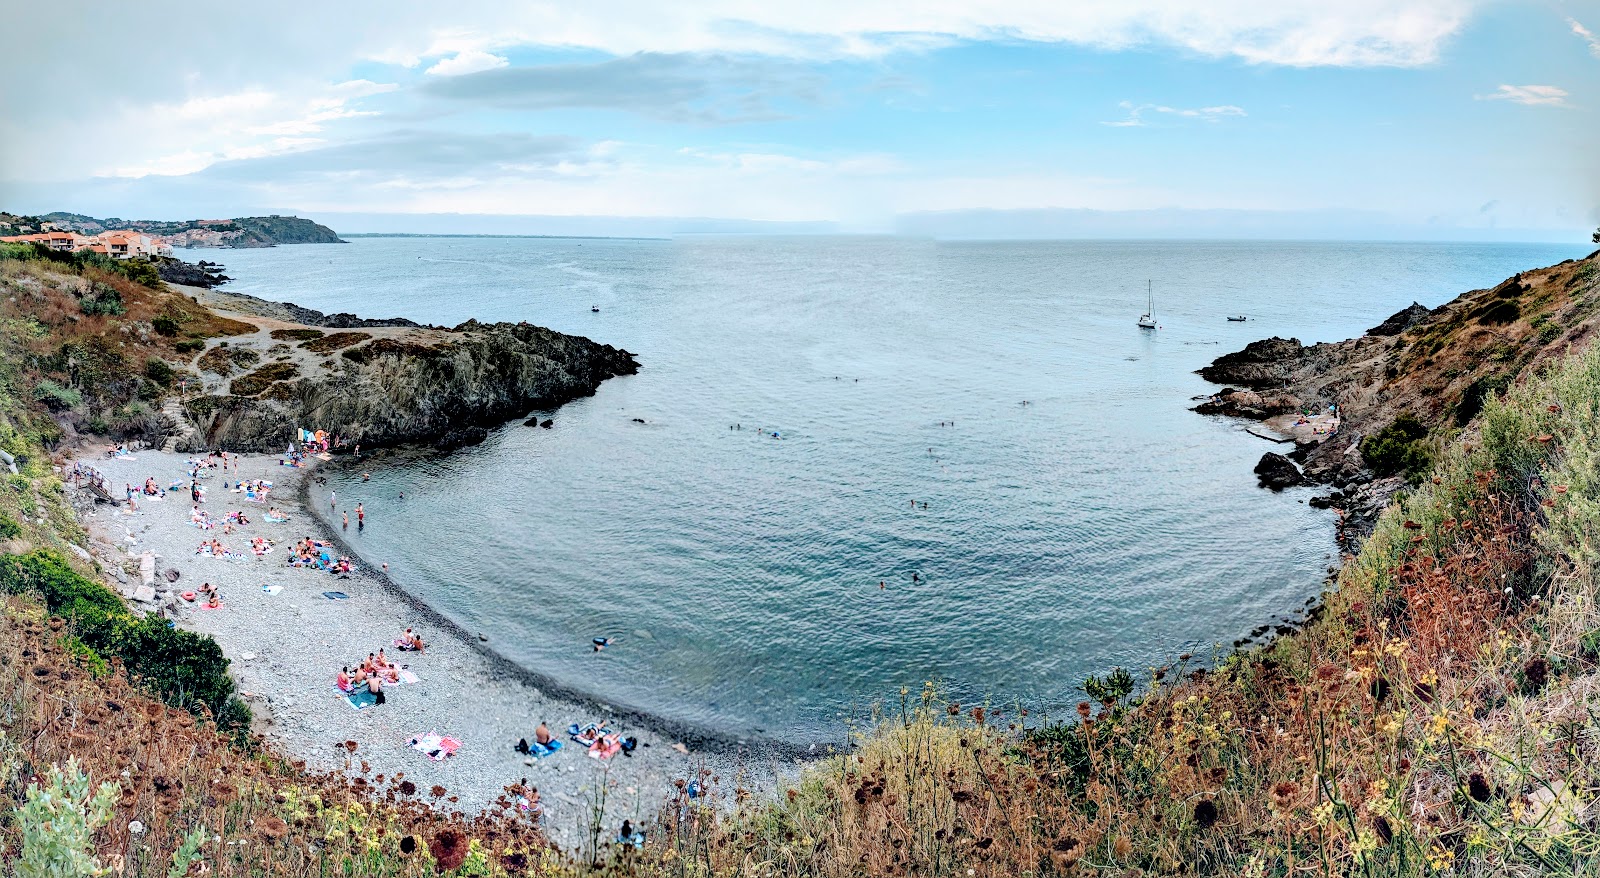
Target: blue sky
(1393, 118)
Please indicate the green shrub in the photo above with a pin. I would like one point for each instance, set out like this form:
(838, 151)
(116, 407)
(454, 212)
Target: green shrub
(1401, 447)
(158, 371)
(101, 299)
(188, 345)
(165, 325)
(186, 669)
(1498, 311)
(55, 397)
(1473, 398)
(9, 528)
(58, 822)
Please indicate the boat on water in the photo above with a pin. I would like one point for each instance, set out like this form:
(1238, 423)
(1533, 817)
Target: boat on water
(596, 309)
(1147, 320)
(1240, 319)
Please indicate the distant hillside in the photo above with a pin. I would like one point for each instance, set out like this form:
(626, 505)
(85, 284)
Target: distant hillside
(248, 231)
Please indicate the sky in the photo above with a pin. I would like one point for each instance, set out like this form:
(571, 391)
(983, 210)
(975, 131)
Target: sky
(1446, 119)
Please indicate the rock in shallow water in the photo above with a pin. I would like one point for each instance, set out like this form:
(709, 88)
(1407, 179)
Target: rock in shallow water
(1278, 472)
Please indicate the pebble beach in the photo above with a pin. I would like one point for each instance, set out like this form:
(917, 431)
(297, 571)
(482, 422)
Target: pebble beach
(286, 641)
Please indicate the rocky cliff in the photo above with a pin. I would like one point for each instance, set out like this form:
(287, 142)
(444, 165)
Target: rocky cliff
(1438, 366)
(385, 384)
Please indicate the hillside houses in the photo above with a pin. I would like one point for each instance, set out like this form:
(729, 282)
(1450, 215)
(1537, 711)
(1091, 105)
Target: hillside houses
(120, 244)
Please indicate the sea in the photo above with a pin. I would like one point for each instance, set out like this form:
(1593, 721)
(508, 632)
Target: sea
(850, 467)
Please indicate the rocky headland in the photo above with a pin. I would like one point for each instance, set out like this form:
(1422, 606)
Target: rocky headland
(375, 382)
(1431, 367)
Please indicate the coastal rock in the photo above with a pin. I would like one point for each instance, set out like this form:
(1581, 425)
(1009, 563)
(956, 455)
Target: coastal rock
(444, 387)
(1249, 404)
(1278, 472)
(1401, 320)
(1262, 364)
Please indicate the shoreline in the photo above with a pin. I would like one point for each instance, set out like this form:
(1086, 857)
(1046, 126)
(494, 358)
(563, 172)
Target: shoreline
(694, 736)
(285, 647)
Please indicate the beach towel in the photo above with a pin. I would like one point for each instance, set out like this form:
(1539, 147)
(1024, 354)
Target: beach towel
(219, 606)
(336, 596)
(276, 520)
(272, 589)
(589, 734)
(540, 751)
(361, 699)
(435, 746)
(406, 677)
(606, 747)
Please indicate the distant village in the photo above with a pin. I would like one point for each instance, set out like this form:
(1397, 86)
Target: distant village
(128, 243)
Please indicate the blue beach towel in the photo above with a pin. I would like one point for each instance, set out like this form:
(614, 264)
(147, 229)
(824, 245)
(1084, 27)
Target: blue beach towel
(336, 596)
(361, 699)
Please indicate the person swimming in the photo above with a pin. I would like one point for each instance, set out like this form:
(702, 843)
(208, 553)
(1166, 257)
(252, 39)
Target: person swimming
(601, 643)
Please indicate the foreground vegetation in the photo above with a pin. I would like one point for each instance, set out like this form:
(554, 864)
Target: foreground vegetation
(1437, 718)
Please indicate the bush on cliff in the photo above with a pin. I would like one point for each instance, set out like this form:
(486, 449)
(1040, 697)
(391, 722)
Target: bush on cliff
(1401, 447)
(186, 669)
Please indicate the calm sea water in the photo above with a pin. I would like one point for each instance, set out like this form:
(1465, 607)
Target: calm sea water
(1099, 524)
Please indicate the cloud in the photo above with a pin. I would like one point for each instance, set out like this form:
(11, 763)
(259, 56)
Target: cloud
(1208, 114)
(470, 61)
(1587, 36)
(1297, 33)
(682, 88)
(1529, 95)
(406, 153)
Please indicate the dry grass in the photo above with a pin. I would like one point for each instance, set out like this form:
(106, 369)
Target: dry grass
(266, 817)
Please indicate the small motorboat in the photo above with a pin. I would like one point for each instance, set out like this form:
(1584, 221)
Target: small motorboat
(1240, 319)
(596, 309)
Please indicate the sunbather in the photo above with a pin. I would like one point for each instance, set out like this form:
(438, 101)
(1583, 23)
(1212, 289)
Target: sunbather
(542, 733)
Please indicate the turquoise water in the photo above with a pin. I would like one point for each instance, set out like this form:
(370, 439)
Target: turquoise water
(1100, 524)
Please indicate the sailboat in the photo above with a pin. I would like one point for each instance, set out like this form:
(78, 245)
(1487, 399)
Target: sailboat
(1147, 320)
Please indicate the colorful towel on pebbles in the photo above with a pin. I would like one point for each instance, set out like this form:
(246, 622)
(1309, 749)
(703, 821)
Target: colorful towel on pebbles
(361, 699)
(435, 746)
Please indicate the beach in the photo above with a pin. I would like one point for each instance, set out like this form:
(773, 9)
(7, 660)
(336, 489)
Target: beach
(287, 641)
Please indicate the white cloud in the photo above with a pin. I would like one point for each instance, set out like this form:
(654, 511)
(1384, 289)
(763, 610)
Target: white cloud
(1587, 36)
(1298, 33)
(361, 88)
(1136, 113)
(470, 61)
(1529, 95)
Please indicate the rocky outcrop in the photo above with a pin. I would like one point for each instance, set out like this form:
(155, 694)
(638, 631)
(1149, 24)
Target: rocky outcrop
(1261, 365)
(1249, 404)
(1438, 365)
(441, 387)
(1278, 472)
(1401, 320)
(176, 271)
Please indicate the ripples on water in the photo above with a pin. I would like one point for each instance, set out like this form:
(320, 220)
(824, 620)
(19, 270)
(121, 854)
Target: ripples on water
(1100, 524)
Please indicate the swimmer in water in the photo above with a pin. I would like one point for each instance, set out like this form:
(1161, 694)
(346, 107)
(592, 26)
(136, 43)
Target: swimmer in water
(600, 643)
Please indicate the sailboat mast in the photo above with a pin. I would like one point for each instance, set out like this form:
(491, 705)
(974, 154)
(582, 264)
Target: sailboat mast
(1150, 290)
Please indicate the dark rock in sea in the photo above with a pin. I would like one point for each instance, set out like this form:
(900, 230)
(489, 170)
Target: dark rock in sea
(1248, 404)
(531, 422)
(1401, 320)
(176, 271)
(1278, 472)
(548, 423)
(1321, 502)
(1262, 364)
